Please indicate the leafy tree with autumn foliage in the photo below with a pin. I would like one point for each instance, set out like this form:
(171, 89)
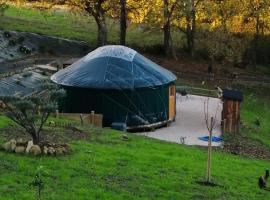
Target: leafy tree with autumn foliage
(3, 7)
(97, 9)
(240, 20)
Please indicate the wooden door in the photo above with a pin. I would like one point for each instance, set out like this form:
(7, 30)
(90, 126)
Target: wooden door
(172, 102)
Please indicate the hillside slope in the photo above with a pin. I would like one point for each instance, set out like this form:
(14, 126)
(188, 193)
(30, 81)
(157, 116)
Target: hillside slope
(103, 166)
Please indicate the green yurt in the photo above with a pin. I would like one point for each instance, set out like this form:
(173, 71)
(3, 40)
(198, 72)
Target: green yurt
(121, 84)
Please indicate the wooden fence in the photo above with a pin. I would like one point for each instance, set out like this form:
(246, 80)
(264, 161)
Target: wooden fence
(198, 91)
(84, 118)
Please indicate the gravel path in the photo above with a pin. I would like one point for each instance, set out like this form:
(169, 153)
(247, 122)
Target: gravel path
(190, 122)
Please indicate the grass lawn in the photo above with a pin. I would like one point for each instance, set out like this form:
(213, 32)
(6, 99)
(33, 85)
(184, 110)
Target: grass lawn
(64, 24)
(256, 108)
(105, 167)
(4, 121)
(102, 166)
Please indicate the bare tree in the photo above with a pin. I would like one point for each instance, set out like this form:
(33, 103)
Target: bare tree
(210, 122)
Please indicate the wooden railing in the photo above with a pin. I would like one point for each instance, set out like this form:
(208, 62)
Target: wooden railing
(199, 91)
(84, 118)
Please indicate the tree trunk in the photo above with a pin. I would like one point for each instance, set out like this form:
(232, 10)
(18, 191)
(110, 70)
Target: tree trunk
(193, 27)
(102, 32)
(166, 28)
(209, 155)
(256, 40)
(190, 28)
(35, 137)
(188, 34)
(123, 22)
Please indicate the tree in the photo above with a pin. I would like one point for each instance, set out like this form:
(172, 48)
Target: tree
(128, 11)
(187, 21)
(222, 46)
(210, 122)
(191, 24)
(3, 7)
(123, 22)
(168, 10)
(257, 13)
(97, 9)
(32, 112)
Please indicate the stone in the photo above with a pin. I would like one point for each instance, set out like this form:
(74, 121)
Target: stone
(20, 140)
(67, 147)
(9, 146)
(29, 146)
(35, 150)
(51, 150)
(59, 151)
(20, 149)
(65, 150)
(6, 146)
(52, 123)
(125, 137)
(12, 145)
(45, 150)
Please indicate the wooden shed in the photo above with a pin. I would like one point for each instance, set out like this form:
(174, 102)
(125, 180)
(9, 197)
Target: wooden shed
(231, 110)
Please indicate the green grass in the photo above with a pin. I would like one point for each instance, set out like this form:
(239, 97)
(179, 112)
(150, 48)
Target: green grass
(80, 27)
(4, 121)
(256, 107)
(105, 167)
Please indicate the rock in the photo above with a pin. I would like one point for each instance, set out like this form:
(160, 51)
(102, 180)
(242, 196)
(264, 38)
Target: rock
(65, 150)
(21, 142)
(20, 149)
(9, 146)
(51, 150)
(45, 150)
(59, 151)
(66, 147)
(29, 146)
(51, 123)
(6, 146)
(125, 137)
(35, 150)
(13, 144)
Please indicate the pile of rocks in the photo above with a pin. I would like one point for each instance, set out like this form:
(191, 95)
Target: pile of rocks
(27, 147)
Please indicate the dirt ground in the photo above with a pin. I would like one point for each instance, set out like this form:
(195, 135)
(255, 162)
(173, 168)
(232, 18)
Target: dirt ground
(189, 123)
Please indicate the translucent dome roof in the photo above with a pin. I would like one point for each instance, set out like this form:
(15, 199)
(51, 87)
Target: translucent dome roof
(113, 67)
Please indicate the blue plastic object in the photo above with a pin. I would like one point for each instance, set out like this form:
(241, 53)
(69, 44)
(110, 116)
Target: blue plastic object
(119, 126)
(214, 139)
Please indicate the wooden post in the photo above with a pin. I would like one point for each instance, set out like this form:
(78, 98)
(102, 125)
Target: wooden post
(92, 117)
(230, 123)
(57, 113)
(224, 125)
(236, 124)
(208, 178)
(81, 118)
